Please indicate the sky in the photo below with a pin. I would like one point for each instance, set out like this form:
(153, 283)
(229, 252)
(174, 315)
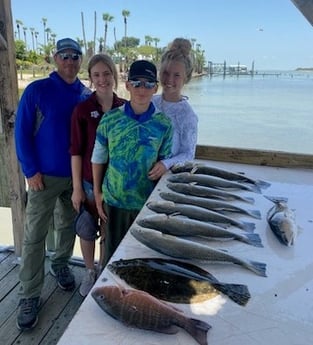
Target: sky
(272, 33)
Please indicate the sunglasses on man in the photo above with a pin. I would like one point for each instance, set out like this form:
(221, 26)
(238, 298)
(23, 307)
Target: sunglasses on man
(146, 84)
(66, 56)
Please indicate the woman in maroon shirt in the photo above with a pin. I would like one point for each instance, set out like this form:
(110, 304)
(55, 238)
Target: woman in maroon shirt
(85, 119)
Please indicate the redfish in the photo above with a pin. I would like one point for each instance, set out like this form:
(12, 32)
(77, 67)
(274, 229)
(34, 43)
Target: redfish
(139, 309)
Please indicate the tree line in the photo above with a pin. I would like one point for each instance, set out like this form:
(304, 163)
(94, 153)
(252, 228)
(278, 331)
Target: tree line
(124, 51)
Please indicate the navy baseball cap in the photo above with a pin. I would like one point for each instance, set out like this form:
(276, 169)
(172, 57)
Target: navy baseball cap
(86, 226)
(142, 69)
(68, 43)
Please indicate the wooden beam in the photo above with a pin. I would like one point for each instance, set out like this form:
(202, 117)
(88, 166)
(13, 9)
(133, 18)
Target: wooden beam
(306, 8)
(8, 105)
(3, 43)
(255, 157)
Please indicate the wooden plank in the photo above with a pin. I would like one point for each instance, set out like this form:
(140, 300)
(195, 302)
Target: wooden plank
(8, 104)
(255, 157)
(306, 8)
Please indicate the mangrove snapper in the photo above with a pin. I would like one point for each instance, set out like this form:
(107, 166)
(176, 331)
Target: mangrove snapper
(181, 248)
(139, 309)
(175, 281)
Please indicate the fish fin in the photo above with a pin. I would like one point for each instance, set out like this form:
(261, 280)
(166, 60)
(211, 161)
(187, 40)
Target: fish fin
(276, 199)
(262, 184)
(258, 267)
(254, 239)
(236, 292)
(248, 200)
(255, 214)
(198, 329)
(194, 170)
(255, 188)
(248, 227)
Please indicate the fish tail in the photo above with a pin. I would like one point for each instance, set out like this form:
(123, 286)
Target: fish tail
(236, 292)
(198, 330)
(254, 239)
(248, 227)
(258, 267)
(254, 213)
(262, 184)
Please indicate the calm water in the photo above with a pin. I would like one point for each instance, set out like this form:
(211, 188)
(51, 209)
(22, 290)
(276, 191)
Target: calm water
(263, 112)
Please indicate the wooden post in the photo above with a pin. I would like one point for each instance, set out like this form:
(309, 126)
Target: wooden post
(8, 104)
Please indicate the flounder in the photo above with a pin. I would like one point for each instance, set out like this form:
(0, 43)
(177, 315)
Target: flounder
(175, 281)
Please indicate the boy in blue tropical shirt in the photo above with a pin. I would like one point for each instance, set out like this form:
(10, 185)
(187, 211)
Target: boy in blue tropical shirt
(130, 139)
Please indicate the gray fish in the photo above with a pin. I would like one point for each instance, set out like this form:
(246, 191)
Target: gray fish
(182, 226)
(206, 192)
(139, 309)
(282, 221)
(175, 281)
(199, 213)
(210, 204)
(198, 168)
(211, 181)
(181, 248)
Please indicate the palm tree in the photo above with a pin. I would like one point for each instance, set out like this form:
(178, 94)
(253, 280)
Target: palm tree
(156, 41)
(44, 23)
(25, 39)
(32, 30)
(36, 39)
(83, 29)
(19, 23)
(95, 31)
(53, 37)
(148, 40)
(48, 32)
(107, 18)
(125, 14)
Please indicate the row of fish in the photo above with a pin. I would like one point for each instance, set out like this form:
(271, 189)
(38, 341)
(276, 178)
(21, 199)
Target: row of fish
(197, 205)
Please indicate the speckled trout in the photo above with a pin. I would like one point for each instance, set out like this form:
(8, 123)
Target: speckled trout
(210, 204)
(206, 192)
(185, 249)
(212, 181)
(183, 226)
(199, 213)
(198, 168)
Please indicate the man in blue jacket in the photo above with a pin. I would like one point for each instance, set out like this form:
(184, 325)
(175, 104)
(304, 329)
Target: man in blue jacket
(42, 136)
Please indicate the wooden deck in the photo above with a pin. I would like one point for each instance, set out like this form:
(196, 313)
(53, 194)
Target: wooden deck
(57, 309)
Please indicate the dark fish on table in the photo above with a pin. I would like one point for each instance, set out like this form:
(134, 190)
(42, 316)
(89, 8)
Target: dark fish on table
(139, 309)
(212, 181)
(282, 221)
(206, 192)
(183, 226)
(211, 204)
(198, 168)
(185, 249)
(175, 281)
(199, 213)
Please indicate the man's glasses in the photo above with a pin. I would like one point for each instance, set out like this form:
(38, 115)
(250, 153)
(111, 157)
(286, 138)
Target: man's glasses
(66, 56)
(145, 84)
